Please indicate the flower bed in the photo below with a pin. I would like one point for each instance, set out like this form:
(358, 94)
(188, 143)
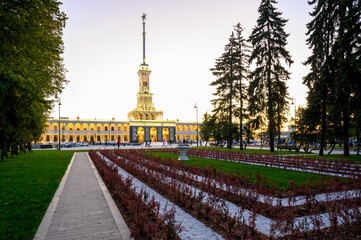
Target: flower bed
(285, 222)
(142, 214)
(337, 168)
(224, 185)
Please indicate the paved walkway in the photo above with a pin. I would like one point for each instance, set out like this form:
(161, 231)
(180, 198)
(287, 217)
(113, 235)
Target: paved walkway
(82, 207)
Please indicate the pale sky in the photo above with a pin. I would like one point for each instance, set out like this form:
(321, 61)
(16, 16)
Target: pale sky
(103, 51)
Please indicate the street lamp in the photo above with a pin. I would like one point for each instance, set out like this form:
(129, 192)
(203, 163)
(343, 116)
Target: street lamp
(294, 104)
(59, 103)
(196, 107)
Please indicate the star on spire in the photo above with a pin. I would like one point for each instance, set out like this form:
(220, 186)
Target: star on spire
(144, 16)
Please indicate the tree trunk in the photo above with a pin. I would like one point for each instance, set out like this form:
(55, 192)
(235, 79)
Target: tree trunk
(270, 99)
(346, 149)
(358, 141)
(323, 128)
(332, 147)
(229, 137)
(240, 122)
(278, 123)
(2, 153)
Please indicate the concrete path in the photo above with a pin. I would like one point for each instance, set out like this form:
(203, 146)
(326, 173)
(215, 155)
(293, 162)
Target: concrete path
(82, 207)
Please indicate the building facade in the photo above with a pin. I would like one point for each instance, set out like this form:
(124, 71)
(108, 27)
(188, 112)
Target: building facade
(101, 131)
(144, 123)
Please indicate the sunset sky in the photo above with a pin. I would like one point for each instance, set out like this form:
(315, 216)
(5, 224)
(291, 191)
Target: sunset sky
(103, 51)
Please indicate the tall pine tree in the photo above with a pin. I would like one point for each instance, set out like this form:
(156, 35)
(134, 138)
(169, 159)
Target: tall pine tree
(347, 53)
(269, 53)
(241, 68)
(225, 84)
(334, 37)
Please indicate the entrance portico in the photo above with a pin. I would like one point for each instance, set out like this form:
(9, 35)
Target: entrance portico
(141, 131)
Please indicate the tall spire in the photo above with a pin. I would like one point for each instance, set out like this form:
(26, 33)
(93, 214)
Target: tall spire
(143, 19)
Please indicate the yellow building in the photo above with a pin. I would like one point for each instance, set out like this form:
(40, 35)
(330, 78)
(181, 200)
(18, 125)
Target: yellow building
(144, 123)
(101, 131)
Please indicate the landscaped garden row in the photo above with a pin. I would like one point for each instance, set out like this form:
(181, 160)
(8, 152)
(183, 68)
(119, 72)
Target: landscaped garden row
(244, 197)
(141, 212)
(239, 189)
(338, 167)
(240, 221)
(184, 197)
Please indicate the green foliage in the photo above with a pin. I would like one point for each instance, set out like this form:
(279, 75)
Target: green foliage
(208, 127)
(334, 35)
(267, 89)
(225, 84)
(305, 125)
(31, 69)
(28, 183)
(242, 73)
(231, 70)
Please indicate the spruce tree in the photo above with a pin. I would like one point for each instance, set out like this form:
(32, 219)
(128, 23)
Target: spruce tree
(347, 52)
(321, 36)
(241, 68)
(269, 53)
(225, 84)
(334, 37)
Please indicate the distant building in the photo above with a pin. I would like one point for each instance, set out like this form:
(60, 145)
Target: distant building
(144, 123)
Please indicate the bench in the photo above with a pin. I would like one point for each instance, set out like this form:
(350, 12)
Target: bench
(288, 147)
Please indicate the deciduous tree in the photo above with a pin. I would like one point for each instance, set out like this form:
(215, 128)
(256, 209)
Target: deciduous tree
(31, 68)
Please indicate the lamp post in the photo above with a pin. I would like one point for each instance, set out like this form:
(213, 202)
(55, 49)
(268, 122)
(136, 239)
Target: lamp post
(294, 104)
(196, 107)
(59, 103)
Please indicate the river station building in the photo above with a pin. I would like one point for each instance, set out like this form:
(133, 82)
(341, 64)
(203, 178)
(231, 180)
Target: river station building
(144, 123)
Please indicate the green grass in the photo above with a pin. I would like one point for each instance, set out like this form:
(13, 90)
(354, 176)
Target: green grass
(332, 157)
(275, 175)
(252, 150)
(27, 185)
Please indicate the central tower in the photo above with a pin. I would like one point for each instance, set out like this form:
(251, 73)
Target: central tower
(145, 109)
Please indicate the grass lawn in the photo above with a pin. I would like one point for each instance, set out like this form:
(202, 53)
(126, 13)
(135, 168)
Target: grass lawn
(251, 150)
(280, 176)
(28, 183)
(332, 157)
(354, 157)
